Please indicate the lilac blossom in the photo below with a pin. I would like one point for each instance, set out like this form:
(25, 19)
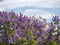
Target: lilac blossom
(22, 30)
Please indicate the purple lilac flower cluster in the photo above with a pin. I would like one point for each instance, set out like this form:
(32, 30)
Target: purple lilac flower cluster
(18, 29)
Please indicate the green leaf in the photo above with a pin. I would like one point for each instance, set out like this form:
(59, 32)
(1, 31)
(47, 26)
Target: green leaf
(55, 43)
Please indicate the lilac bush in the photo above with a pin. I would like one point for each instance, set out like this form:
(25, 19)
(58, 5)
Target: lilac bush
(18, 29)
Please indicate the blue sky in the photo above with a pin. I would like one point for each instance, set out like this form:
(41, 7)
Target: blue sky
(43, 8)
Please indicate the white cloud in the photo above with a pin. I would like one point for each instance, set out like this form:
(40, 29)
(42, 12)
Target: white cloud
(36, 13)
(2, 9)
(30, 3)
